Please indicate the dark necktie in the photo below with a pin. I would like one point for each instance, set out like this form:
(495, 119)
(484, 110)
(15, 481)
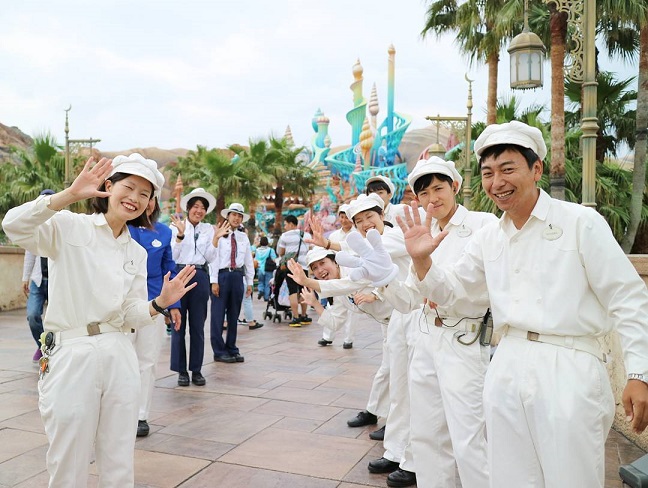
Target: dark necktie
(233, 254)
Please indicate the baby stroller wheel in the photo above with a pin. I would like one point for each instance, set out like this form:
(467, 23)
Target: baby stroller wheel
(277, 318)
(267, 315)
(287, 315)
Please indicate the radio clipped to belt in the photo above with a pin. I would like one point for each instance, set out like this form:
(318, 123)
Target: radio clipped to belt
(47, 346)
(484, 334)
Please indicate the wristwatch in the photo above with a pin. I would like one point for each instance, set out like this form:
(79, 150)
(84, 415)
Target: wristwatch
(637, 376)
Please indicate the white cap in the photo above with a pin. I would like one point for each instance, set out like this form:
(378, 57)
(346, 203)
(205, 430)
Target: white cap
(236, 208)
(434, 165)
(136, 164)
(385, 180)
(512, 133)
(364, 202)
(343, 208)
(198, 192)
(316, 254)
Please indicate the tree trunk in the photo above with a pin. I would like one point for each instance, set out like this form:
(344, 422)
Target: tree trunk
(558, 25)
(639, 171)
(220, 205)
(278, 208)
(491, 101)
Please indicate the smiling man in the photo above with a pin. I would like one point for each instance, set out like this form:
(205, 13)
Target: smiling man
(557, 280)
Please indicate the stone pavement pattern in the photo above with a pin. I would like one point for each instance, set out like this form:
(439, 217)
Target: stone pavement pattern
(276, 420)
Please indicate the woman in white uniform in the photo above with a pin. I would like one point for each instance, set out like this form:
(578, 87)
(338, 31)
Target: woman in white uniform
(89, 382)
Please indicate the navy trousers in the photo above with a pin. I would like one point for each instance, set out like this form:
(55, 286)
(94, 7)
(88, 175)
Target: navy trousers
(194, 311)
(229, 301)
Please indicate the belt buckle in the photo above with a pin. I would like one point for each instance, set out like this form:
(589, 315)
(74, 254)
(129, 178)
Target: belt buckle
(533, 336)
(93, 328)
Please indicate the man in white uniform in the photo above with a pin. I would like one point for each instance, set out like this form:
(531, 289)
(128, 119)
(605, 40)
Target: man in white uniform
(557, 280)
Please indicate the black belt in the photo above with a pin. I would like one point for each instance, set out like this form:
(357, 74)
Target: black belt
(230, 270)
(204, 267)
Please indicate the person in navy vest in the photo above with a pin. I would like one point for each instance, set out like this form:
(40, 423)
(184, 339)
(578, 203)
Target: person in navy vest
(156, 240)
(231, 276)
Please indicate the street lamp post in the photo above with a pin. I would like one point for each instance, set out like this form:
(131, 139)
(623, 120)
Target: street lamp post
(68, 141)
(582, 20)
(467, 121)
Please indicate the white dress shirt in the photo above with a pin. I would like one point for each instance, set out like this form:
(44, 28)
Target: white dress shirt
(196, 247)
(563, 273)
(223, 257)
(339, 235)
(93, 276)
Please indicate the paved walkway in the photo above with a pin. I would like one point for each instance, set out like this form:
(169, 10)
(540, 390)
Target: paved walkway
(276, 420)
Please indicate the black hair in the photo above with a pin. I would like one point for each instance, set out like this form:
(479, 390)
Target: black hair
(155, 214)
(376, 209)
(494, 151)
(375, 186)
(193, 200)
(263, 241)
(424, 181)
(291, 219)
(100, 204)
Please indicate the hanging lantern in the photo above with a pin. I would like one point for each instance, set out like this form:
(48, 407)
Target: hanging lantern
(527, 54)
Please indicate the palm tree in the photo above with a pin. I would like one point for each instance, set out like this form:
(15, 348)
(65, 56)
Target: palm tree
(480, 35)
(214, 170)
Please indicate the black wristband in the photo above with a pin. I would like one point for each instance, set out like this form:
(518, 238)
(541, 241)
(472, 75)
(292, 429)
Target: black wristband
(180, 237)
(159, 309)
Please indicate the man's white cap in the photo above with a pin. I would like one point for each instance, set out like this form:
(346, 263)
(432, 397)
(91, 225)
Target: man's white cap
(434, 165)
(236, 208)
(364, 202)
(316, 254)
(343, 208)
(512, 133)
(385, 180)
(198, 192)
(136, 164)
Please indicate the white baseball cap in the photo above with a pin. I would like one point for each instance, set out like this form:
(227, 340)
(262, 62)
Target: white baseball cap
(138, 165)
(364, 202)
(385, 180)
(434, 165)
(316, 254)
(514, 132)
(343, 208)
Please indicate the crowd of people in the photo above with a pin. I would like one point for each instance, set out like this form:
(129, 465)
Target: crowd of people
(435, 277)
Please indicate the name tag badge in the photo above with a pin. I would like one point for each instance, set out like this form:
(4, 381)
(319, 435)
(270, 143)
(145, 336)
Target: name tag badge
(156, 243)
(464, 231)
(552, 233)
(129, 267)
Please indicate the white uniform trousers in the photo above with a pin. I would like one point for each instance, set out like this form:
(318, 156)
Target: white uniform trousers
(447, 415)
(328, 333)
(400, 341)
(89, 396)
(379, 401)
(548, 413)
(148, 343)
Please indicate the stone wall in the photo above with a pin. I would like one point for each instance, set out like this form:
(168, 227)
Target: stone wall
(11, 266)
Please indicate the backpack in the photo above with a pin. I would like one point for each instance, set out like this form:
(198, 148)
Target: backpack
(270, 265)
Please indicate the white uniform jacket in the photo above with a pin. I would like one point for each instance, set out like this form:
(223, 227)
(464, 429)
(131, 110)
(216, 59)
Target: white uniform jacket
(93, 276)
(563, 273)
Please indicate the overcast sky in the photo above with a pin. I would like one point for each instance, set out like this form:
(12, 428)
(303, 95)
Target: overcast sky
(215, 72)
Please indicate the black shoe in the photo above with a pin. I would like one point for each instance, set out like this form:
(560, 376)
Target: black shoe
(257, 325)
(225, 358)
(198, 379)
(378, 435)
(238, 358)
(401, 478)
(382, 465)
(324, 342)
(363, 418)
(142, 428)
(259, 296)
(183, 379)
(347, 345)
(305, 319)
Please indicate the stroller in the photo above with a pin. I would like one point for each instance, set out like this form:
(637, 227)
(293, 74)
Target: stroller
(273, 302)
